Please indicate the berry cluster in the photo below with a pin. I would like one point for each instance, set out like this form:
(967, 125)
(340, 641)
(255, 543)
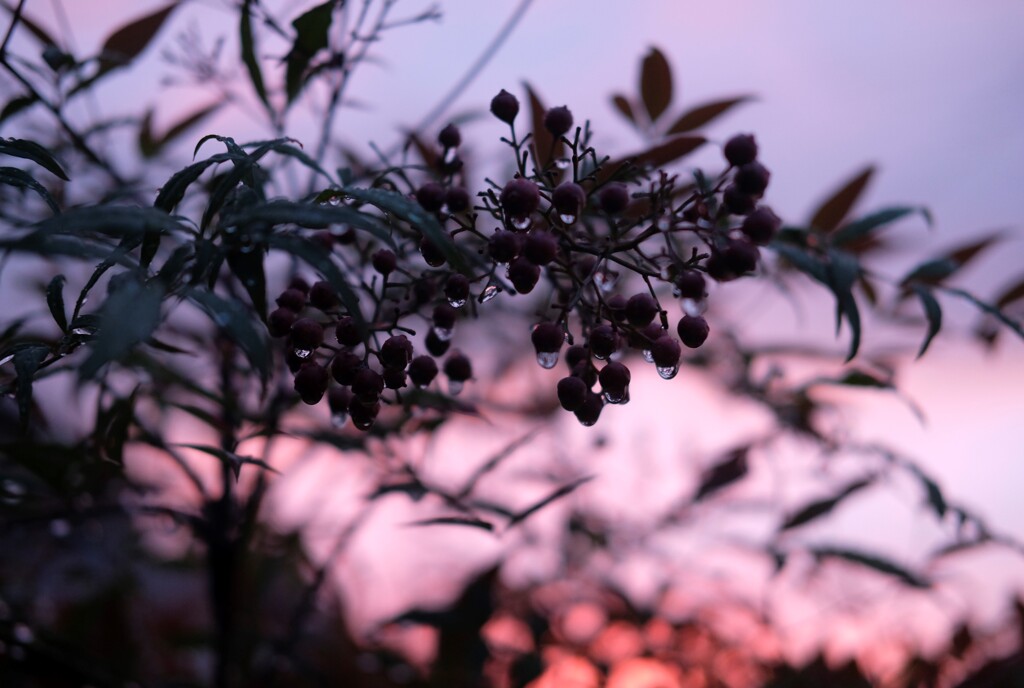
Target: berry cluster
(611, 244)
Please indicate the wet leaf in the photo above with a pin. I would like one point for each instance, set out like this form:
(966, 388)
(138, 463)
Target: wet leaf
(655, 83)
(109, 220)
(128, 317)
(29, 150)
(932, 311)
(703, 114)
(730, 469)
(55, 301)
(311, 29)
(822, 507)
(20, 179)
(173, 191)
(310, 216)
(247, 44)
(831, 213)
(237, 321)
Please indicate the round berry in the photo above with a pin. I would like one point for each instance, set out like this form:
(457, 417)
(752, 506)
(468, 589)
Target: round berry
(575, 354)
(384, 261)
(311, 382)
(617, 305)
(572, 392)
(646, 335)
(547, 337)
(458, 367)
(614, 379)
(431, 253)
(431, 196)
(456, 289)
(280, 321)
(347, 332)
(540, 247)
(505, 106)
(691, 285)
(345, 366)
(589, 412)
(339, 399)
(693, 330)
(568, 198)
(435, 345)
(752, 178)
(586, 372)
(394, 378)
(503, 246)
(665, 351)
(396, 352)
(558, 120)
(761, 225)
(457, 199)
(322, 296)
(641, 309)
(613, 198)
(300, 284)
(520, 197)
(740, 149)
(449, 137)
(422, 370)
(604, 341)
(367, 385)
(741, 256)
(307, 334)
(363, 414)
(736, 201)
(524, 275)
(444, 316)
(292, 299)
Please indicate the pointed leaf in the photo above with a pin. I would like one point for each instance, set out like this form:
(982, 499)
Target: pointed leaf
(545, 147)
(824, 506)
(128, 317)
(733, 467)
(173, 191)
(29, 150)
(311, 31)
(702, 114)
(1010, 295)
(655, 83)
(233, 460)
(624, 107)
(122, 46)
(831, 213)
(455, 521)
(987, 308)
(311, 216)
(237, 321)
(248, 268)
(12, 176)
(248, 47)
(149, 145)
(843, 271)
(27, 360)
(55, 301)
(859, 229)
(933, 312)
(937, 270)
(656, 156)
(872, 562)
(563, 491)
(16, 105)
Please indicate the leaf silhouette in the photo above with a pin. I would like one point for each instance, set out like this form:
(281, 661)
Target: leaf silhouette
(933, 312)
(700, 115)
(733, 467)
(831, 213)
(455, 521)
(624, 107)
(563, 491)
(822, 507)
(655, 83)
(127, 42)
(870, 561)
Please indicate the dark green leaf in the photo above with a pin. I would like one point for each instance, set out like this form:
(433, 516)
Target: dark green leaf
(234, 461)
(655, 83)
(727, 471)
(455, 521)
(248, 268)
(872, 562)
(111, 220)
(702, 114)
(112, 426)
(173, 191)
(622, 105)
(545, 147)
(824, 506)
(1011, 294)
(248, 48)
(311, 30)
(865, 226)
(843, 271)
(283, 147)
(128, 317)
(314, 254)
(16, 105)
(30, 150)
(12, 176)
(311, 216)
(237, 321)
(807, 263)
(43, 243)
(932, 311)
(27, 360)
(150, 145)
(831, 213)
(55, 301)
(562, 491)
(987, 308)
(937, 270)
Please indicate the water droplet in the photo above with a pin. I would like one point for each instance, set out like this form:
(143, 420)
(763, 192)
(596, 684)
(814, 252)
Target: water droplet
(303, 353)
(664, 223)
(449, 155)
(247, 248)
(665, 271)
(23, 634)
(363, 423)
(667, 372)
(334, 200)
(648, 356)
(694, 307)
(489, 292)
(455, 387)
(620, 398)
(606, 279)
(567, 218)
(80, 331)
(586, 422)
(522, 223)
(599, 357)
(5, 359)
(456, 303)
(563, 163)
(547, 359)
(338, 420)
(60, 528)
(443, 333)
(13, 488)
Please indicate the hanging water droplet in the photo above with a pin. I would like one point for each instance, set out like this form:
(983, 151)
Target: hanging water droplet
(648, 356)
(338, 420)
(664, 223)
(23, 634)
(489, 292)
(449, 155)
(563, 163)
(363, 423)
(547, 359)
(455, 387)
(522, 223)
(598, 356)
(586, 422)
(5, 359)
(60, 528)
(334, 200)
(617, 398)
(667, 372)
(456, 303)
(606, 279)
(694, 307)
(567, 219)
(665, 271)
(80, 331)
(443, 333)
(303, 353)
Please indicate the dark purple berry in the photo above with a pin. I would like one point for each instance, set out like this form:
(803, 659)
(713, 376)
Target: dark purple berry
(575, 354)
(752, 178)
(524, 275)
(456, 289)
(457, 367)
(292, 299)
(504, 246)
(558, 120)
(540, 247)
(617, 305)
(444, 316)
(604, 341)
(568, 198)
(572, 392)
(345, 366)
(431, 196)
(693, 330)
(394, 378)
(280, 321)
(614, 379)
(718, 267)
(641, 309)
(740, 150)
(311, 382)
(520, 198)
(363, 414)
(737, 201)
(300, 284)
(396, 352)
(422, 370)
(761, 225)
(431, 253)
(449, 137)
(665, 351)
(347, 332)
(322, 296)
(457, 199)
(367, 385)
(384, 261)
(691, 285)
(741, 256)
(646, 335)
(505, 106)
(614, 198)
(307, 334)
(339, 399)
(547, 337)
(435, 345)
(586, 372)
(589, 412)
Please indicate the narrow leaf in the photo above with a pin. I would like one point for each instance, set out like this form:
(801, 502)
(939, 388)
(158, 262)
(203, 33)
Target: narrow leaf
(248, 47)
(938, 269)
(27, 360)
(311, 216)
(248, 268)
(733, 467)
(311, 30)
(563, 491)
(237, 321)
(831, 213)
(12, 176)
(872, 562)
(703, 114)
(822, 507)
(150, 145)
(545, 147)
(173, 191)
(655, 83)
(233, 460)
(988, 308)
(455, 521)
(623, 106)
(122, 46)
(29, 150)
(843, 271)
(55, 301)
(16, 105)
(933, 312)
(1011, 294)
(128, 317)
(860, 229)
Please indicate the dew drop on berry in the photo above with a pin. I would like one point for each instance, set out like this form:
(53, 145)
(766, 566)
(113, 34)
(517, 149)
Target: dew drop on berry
(667, 372)
(338, 420)
(522, 223)
(443, 333)
(694, 307)
(563, 163)
(567, 219)
(547, 359)
(618, 397)
(455, 303)
(455, 387)
(449, 155)
(303, 353)
(648, 355)
(489, 292)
